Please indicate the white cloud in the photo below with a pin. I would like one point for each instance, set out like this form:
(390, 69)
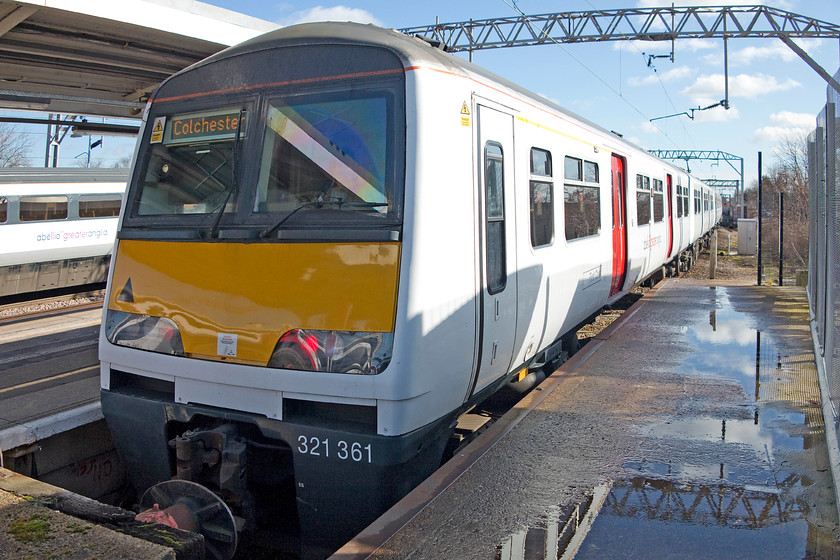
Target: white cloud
(710, 87)
(717, 114)
(667, 76)
(645, 48)
(695, 45)
(334, 13)
(773, 134)
(796, 120)
(775, 51)
(785, 125)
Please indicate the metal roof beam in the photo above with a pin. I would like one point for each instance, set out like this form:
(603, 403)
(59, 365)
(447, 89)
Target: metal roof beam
(14, 16)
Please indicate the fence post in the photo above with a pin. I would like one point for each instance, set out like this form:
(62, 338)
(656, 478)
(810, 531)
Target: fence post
(759, 268)
(781, 234)
(713, 254)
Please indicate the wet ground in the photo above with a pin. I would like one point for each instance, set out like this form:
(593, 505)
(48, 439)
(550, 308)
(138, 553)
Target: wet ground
(694, 431)
(745, 480)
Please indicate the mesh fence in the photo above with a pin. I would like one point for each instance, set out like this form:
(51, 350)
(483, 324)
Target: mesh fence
(824, 244)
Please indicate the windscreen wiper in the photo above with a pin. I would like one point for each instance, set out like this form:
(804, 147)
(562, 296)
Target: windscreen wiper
(319, 202)
(234, 186)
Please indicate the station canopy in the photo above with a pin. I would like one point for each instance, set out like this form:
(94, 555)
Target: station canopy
(105, 57)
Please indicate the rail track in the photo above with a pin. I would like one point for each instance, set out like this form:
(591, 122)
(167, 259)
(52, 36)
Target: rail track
(13, 310)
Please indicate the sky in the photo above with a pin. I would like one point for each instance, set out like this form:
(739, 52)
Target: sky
(773, 94)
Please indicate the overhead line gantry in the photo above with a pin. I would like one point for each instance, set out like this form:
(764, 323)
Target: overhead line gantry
(646, 24)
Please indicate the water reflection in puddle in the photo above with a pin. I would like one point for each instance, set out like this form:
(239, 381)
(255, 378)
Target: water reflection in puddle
(651, 518)
(715, 480)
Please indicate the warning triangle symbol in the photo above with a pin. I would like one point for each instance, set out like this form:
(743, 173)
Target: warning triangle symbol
(158, 127)
(126, 294)
(464, 109)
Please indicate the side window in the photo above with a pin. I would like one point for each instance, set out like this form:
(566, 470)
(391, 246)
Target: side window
(542, 194)
(696, 202)
(642, 200)
(99, 206)
(42, 208)
(4, 210)
(494, 202)
(582, 198)
(658, 201)
(679, 201)
(619, 201)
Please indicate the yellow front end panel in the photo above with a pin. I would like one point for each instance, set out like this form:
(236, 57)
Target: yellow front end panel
(257, 291)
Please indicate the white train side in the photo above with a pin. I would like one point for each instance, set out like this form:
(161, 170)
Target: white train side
(57, 226)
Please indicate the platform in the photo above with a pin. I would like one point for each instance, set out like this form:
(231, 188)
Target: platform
(689, 428)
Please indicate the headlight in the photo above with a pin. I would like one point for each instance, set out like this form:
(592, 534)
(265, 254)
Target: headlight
(143, 332)
(365, 353)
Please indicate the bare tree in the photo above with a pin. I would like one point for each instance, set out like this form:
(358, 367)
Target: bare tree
(789, 175)
(14, 147)
(123, 162)
(792, 156)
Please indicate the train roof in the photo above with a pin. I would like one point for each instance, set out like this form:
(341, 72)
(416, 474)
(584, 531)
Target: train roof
(44, 175)
(413, 51)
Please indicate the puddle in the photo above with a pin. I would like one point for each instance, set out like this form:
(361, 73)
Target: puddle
(646, 518)
(716, 478)
(654, 518)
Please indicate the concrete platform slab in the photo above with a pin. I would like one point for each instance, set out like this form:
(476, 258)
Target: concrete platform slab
(690, 428)
(38, 520)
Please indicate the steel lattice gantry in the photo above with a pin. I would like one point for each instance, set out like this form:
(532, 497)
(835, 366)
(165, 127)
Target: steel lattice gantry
(646, 24)
(715, 155)
(724, 186)
(652, 24)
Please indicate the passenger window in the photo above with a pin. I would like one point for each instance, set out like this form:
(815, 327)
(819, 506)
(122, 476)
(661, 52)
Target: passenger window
(99, 207)
(642, 200)
(542, 204)
(41, 208)
(696, 202)
(658, 201)
(4, 210)
(494, 218)
(572, 169)
(590, 172)
(582, 198)
(679, 201)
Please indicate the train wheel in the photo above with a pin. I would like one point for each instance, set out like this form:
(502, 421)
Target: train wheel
(192, 507)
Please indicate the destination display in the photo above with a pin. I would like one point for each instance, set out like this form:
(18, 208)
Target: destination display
(204, 127)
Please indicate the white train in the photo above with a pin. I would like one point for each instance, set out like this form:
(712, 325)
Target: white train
(336, 239)
(57, 226)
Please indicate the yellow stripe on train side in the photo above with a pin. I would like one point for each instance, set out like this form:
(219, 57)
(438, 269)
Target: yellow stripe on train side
(258, 291)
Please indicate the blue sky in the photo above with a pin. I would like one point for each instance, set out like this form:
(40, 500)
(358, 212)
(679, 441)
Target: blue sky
(773, 93)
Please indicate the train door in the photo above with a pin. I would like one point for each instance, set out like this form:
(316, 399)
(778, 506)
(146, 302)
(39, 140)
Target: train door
(498, 297)
(619, 206)
(669, 212)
